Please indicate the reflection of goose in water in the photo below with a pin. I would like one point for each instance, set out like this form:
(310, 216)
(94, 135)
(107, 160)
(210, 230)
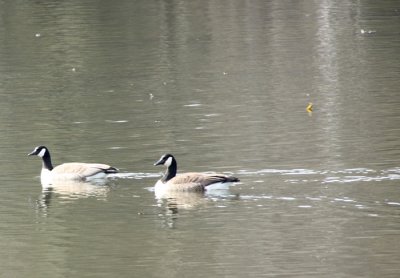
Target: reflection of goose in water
(186, 200)
(75, 171)
(72, 190)
(172, 203)
(187, 182)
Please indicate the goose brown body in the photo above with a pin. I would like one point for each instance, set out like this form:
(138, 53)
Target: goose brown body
(83, 169)
(193, 181)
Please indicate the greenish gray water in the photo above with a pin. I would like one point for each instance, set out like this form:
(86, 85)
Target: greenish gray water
(224, 86)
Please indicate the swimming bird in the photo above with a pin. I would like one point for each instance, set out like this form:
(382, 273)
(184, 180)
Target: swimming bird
(73, 171)
(186, 182)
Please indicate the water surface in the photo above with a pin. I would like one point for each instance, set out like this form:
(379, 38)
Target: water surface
(223, 86)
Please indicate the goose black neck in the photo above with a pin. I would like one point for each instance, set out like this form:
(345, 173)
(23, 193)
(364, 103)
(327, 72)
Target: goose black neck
(46, 161)
(171, 171)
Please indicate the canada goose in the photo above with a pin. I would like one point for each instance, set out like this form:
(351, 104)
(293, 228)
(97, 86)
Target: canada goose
(186, 182)
(69, 171)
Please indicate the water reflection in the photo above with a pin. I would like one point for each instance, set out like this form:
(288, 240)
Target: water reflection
(67, 191)
(175, 202)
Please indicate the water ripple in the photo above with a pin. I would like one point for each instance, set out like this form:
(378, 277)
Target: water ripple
(327, 176)
(301, 175)
(137, 176)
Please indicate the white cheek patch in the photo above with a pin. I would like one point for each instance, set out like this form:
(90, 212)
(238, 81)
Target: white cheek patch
(42, 153)
(168, 162)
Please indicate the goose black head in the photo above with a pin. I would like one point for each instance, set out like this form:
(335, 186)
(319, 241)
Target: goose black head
(166, 159)
(40, 151)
